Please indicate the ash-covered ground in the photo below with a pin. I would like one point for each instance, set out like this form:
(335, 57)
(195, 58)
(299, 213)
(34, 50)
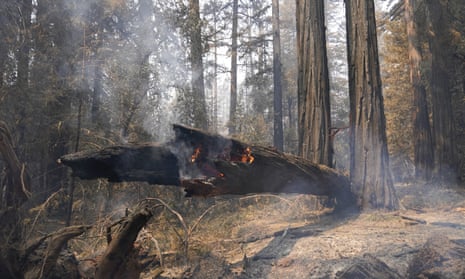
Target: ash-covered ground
(426, 238)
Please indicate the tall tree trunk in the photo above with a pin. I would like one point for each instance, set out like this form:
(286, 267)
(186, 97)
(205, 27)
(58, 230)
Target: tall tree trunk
(233, 92)
(25, 43)
(313, 83)
(198, 86)
(443, 117)
(278, 137)
(96, 114)
(369, 161)
(25, 13)
(422, 139)
(214, 109)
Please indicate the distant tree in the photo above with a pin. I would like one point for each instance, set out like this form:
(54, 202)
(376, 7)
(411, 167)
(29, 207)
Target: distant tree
(278, 137)
(97, 17)
(287, 26)
(217, 16)
(255, 99)
(398, 97)
(58, 81)
(369, 163)
(313, 83)
(339, 88)
(233, 87)
(422, 139)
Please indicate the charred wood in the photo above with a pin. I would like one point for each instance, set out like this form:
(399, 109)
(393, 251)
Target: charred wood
(152, 163)
(115, 262)
(240, 168)
(209, 164)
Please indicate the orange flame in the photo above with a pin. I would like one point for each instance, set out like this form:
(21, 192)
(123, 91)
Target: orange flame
(195, 155)
(247, 156)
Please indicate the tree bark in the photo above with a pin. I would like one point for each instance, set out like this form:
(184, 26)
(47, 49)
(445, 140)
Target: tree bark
(198, 86)
(423, 142)
(313, 83)
(369, 162)
(211, 165)
(152, 163)
(443, 116)
(278, 137)
(114, 261)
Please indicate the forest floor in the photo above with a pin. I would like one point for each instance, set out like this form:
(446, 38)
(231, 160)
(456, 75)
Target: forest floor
(258, 240)
(290, 236)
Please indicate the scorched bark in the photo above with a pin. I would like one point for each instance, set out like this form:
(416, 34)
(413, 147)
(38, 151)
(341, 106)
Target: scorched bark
(216, 166)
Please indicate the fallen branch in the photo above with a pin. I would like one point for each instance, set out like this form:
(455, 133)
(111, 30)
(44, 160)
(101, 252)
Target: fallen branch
(113, 262)
(416, 220)
(56, 242)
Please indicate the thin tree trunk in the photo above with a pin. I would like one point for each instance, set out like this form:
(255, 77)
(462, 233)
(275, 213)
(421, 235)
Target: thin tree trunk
(72, 183)
(214, 110)
(233, 92)
(278, 137)
(313, 83)
(23, 72)
(423, 143)
(369, 161)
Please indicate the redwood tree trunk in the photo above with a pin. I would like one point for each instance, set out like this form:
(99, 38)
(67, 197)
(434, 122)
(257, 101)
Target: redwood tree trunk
(443, 117)
(422, 139)
(369, 162)
(313, 83)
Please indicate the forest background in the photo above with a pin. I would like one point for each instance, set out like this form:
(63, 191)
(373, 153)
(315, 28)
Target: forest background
(80, 75)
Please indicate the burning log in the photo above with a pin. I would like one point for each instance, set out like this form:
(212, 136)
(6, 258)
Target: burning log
(233, 167)
(209, 164)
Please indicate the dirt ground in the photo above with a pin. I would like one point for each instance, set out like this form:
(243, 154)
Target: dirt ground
(269, 243)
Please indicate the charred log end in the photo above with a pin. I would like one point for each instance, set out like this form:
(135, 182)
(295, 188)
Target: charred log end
(152, 163)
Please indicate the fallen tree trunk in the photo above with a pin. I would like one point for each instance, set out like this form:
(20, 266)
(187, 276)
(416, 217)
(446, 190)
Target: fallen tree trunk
(208, 165)
(233, 167)
(152, 163)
